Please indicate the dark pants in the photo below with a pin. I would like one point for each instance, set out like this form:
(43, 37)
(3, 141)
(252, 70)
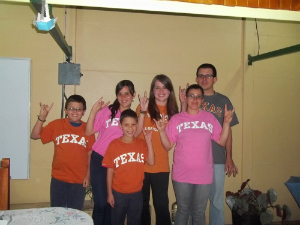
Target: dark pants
(159, 183)
(69, 195)
(102, 210)
(127, 204)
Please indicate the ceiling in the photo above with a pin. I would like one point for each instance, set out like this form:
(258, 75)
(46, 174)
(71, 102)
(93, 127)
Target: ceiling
(284, 10)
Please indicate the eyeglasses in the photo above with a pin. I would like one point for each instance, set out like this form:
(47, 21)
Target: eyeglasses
(207, 76)
(75, 109)
(195, 96)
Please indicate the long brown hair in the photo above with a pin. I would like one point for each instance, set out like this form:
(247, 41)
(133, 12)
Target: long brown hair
(116, 105)
(172, 107)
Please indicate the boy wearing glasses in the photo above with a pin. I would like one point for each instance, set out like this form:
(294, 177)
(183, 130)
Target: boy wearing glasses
(71, 160)
(214, 102)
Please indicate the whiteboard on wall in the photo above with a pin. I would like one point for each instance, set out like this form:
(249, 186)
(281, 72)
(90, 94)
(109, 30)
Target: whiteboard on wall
(15, 115)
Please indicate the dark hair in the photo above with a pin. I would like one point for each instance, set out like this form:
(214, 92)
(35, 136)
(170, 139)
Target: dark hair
(116, 105)
(76, 98)
(172, 107)
(194, 86)
(128, 113)
(207, 66)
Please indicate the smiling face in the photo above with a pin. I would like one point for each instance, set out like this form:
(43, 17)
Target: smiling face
(194, 100)
(206, 83)
(161, 93)
(125, 98)
(128, 126)
(75, 111)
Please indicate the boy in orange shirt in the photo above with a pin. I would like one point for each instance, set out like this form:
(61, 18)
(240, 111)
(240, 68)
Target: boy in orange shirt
(71, 160)
(125, 158)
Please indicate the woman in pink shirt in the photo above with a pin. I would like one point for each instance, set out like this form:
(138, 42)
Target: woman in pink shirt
(192, 174)
(104, 120)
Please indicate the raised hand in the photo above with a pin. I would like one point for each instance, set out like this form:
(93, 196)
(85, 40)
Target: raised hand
(99, 105)
(36, 130)
(144, 101)
(45, 109)
(161, 123)
(148, 135)
(228, 114)
(182, 93)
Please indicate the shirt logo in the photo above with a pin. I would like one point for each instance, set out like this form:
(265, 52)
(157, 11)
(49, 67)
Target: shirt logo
(70, 138)
(195, 125)
(114, 122)
(129, 157)
(212, 109)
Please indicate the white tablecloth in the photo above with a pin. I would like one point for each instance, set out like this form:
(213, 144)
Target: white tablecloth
(46, 216)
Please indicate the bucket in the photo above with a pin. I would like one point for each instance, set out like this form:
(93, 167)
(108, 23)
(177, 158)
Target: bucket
(245, 219)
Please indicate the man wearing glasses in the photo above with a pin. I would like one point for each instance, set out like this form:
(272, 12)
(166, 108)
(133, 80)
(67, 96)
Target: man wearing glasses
(214, 102)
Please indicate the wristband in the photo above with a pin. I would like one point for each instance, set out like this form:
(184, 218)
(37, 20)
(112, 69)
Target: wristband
(40, 119)
(143, 112)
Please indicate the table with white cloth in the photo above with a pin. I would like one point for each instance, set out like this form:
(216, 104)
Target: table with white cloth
(45, 216)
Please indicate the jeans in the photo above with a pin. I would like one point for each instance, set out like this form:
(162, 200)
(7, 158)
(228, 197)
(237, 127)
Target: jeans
(191, 200)
(127, 204)
(63, 194)
(102, 210)
(216, 210)
(159, 183)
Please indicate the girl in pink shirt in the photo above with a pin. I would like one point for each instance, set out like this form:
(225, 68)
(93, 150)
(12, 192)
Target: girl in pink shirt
(104, 120)
(192, 175)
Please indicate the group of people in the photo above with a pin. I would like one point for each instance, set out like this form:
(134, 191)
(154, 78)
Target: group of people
(129, 158)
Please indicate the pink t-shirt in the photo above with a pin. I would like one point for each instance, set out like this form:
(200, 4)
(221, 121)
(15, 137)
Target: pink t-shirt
(193, 162)
(108, 130)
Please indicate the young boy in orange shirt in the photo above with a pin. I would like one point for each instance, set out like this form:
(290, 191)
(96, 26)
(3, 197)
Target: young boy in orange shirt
(125, 158)
(71, 160)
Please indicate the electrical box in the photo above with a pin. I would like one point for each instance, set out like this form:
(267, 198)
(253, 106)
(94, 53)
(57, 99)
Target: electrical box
(69, 73)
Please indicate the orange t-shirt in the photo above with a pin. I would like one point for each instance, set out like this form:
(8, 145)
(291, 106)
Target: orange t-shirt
(161, 155)
(71, 148)
(127, 160)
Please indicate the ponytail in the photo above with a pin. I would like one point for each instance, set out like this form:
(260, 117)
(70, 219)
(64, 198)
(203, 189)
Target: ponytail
(114, 108)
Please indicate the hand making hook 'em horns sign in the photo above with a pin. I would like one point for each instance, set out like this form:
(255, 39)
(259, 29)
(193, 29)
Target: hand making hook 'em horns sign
(148, 135)
(228, 114)
(144, 101)
(161, 123)
(45, 109)
(182, 93)
(99, 105)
